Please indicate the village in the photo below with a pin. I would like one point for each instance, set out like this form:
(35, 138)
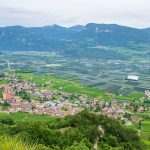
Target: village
(24, 96)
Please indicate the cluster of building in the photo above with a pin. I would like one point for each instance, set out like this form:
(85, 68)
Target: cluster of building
(122, 111)
(46, 103)
(58, 103)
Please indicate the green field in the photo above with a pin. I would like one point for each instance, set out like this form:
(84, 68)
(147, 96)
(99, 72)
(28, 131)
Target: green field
(22, 116)
(133, 96)
(145, 114)
(124, 98)
(137, 95)
(64, 85)
(3, 81)
(146, 126)
(145, 130)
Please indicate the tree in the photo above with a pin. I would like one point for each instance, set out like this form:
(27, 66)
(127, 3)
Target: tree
(8, 121)
(78, 146)
(139, 125)
(24, 95)
(126, 115)
(98, 108)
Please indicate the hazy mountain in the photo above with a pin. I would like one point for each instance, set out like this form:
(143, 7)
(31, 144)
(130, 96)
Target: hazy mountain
(77, 40)
(115, 35)
(77, 28)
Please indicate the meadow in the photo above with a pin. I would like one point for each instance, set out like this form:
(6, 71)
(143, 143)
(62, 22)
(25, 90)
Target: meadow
(145, 129)
(22, 116)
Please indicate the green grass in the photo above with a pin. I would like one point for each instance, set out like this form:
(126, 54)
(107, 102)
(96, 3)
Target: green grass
(145, 114)
(137, 95)
(65, 85)
(145, 129)
(145, 136)
(21, 116)
(146, 126)
(5, 107)
(147, 143)
(3, 81)
(132, 96)
(40, 118)
(8, 143)
(126, 98)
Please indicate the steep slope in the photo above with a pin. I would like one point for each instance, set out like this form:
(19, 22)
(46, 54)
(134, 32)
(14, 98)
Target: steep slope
(81, 130)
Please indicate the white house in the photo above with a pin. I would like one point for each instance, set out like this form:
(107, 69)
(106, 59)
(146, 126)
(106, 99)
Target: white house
(132, 77)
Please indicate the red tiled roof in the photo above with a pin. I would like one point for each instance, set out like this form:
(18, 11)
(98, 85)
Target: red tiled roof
(9, 96)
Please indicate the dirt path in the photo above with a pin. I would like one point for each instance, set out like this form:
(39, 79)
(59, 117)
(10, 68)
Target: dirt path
(97, 139)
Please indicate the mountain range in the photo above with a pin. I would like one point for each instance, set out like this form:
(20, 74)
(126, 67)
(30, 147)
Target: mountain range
(106, 40)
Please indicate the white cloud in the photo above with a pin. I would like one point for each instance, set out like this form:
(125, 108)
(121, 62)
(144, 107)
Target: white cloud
(70, 12)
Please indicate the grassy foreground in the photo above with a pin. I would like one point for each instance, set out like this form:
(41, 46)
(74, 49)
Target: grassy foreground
(77, 132)
(9, 143)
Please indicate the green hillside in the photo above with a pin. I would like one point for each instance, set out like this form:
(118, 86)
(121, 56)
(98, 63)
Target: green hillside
(82, 131)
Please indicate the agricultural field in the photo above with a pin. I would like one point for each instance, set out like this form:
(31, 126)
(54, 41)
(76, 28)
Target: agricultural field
(52, 83)
(22, 116)
(145, 130)
(102, 75)
(145, 114)
(137, 95)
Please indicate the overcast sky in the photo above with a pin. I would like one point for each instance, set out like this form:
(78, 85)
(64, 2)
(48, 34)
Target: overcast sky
(134, 13)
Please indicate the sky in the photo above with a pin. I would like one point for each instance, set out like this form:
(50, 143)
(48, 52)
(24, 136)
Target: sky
(133, 13)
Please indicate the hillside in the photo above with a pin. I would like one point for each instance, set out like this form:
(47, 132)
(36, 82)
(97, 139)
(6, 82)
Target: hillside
(83, 131)
(78, 41)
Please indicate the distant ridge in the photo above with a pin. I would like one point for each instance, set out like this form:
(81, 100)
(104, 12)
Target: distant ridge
(74, 41)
